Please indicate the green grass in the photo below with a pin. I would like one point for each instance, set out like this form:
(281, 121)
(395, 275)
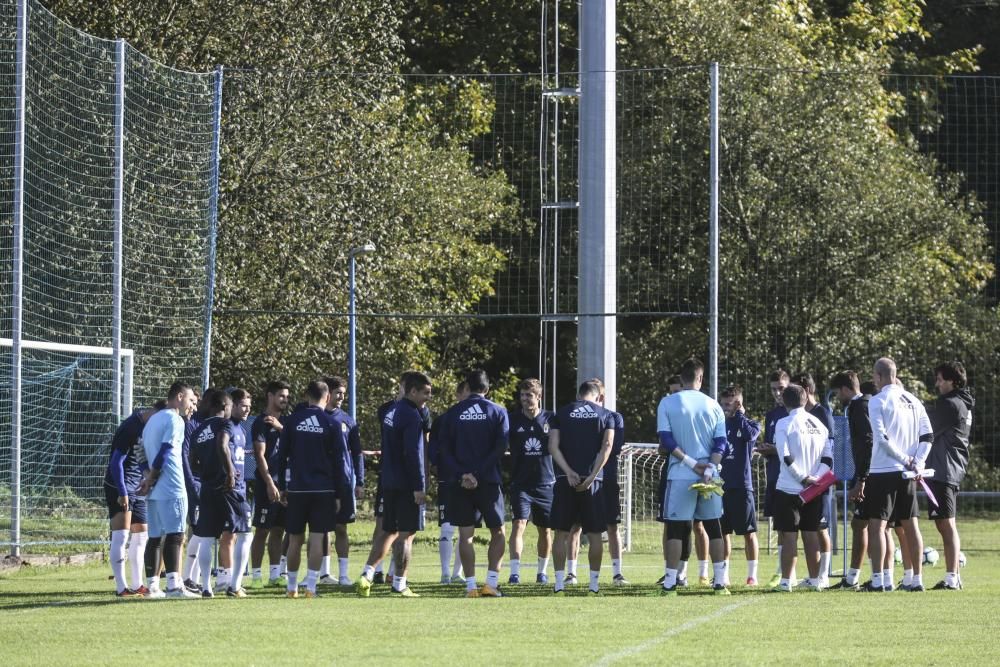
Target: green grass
(67, 615)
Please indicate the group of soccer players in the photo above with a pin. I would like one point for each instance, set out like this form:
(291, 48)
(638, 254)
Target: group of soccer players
(172, 468)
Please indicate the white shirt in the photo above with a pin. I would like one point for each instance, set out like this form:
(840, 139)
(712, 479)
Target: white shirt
(900, 430)
(802, 441)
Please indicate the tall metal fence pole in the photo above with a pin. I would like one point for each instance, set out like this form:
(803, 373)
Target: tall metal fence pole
(713, 217)
(598, 282)
(213, 223)
(116, 323)
(18, 280)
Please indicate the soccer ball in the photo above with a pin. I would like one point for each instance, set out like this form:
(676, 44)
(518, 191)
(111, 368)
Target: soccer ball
(931, 556)
(898, 556)
(961, 559)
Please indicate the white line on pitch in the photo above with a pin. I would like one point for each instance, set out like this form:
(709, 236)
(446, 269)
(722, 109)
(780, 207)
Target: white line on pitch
(676, 630)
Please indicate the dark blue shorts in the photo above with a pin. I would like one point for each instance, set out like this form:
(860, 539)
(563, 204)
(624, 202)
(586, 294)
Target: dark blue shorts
(535, 503)
(769, 493)
(222, 512)
(315, 510)
(192, 512)
(400, 514)
(571, 507)
(739, 512)
(612, 502)
(266, 515)
(485, 499)
(136, 505)
(348, 507)
(443, 496)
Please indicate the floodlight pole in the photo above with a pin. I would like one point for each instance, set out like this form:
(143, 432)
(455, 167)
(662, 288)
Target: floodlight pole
(713, 245)
(597, 286)
(352, 317)
(116, 309)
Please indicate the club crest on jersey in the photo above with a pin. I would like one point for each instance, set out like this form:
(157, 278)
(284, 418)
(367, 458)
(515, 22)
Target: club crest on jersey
(473, 413)
(583, 412)
(545, 429)
(310, 425)
(532, 445)
(343, 427)
(387, 420)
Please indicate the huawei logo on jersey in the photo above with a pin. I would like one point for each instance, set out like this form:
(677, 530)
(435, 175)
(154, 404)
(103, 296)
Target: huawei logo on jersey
(532, 446)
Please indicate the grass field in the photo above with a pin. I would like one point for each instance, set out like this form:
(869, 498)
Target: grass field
(67, 615)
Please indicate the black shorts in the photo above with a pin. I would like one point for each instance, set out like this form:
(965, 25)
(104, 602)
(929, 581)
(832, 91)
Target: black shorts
(791, 515)
(136, 505)
(466, 506)
(535, 503)
(315, 510)
(612, 503)
(571, 507)
(400, 513)
(946, 495)
(379, 499)
(769, 491)
(889, 497)
(222, 512)
(739, 512)
(193, 502)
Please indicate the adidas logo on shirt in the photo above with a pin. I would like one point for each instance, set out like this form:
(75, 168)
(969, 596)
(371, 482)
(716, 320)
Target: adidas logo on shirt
(473, 413)
(583, 412)
(310, 425)
(206, 435)
(532, 445)
(387, 420)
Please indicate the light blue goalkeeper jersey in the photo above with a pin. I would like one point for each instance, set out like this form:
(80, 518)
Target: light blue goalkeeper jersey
(695, 420)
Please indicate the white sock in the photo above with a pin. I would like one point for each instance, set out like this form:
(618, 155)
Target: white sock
(191, 558)
(136, 553)
(852, 576)
(824, 565)
(399, 584)
(543, 564)
(616, 567)
(752, 569)
(368, 572)
(275, 572)
(725, 573)
(342, 567)
(445, 547)
(594, 579)
(153, 583)
(293, 581)
(470, 583)
(877, 579)
(117, 558)
(887, 577)
(222, 577)
(560, 579)
(950, 578)
(917, 580)
(379, 568)
(241, 554)
(492, 578)
(670, 580)
(205, 564)
(907, 577)
(784, 583)
(256, 574)
(311, 577)
(702, 569)
(778, 571)
(682, 571)
(174, 580)
(719, 571)
(515, 567)
(571, 567)
(283, 564)
(324, 567)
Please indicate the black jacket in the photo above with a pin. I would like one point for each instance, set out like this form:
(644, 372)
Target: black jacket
(951, 419)
(861, 436)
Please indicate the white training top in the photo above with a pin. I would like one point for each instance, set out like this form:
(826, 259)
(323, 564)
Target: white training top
(900, 430)
(802, 441)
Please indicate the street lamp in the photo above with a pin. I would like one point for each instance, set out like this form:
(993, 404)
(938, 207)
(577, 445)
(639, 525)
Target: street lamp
(352, 320)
